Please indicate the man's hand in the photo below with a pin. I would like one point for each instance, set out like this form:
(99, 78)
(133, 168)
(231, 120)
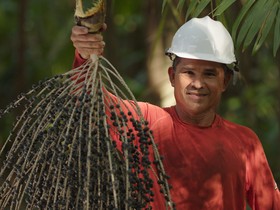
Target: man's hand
(85, 43)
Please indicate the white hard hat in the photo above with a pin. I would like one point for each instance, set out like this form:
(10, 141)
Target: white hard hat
(203, 39)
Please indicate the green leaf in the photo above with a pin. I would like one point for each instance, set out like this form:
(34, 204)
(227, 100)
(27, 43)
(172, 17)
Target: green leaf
(253, 17)
(191, 8)
(258, 22)
(201, 6)
(223, 6)
(163, 5)
(173, 9)
(243, 12)
(277, 34)
(180, 5)
(264, 31)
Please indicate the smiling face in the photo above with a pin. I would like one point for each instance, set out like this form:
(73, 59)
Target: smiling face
(198, 86)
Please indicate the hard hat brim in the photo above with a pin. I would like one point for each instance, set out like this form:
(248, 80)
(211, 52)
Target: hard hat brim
(201, 56)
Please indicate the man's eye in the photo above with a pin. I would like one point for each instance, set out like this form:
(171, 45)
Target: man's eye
(188, 72)
(210, 74)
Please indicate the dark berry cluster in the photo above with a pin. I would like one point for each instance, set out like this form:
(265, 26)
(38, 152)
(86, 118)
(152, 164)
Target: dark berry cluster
(75, 147)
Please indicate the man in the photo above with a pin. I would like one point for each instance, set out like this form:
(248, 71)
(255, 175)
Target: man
(213, 163)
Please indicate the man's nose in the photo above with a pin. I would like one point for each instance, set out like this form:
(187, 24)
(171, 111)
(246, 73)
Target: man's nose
(198, 82)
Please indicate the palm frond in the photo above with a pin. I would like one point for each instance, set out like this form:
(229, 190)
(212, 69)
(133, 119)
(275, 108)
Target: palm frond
(240, 17)
(222, 7)
(265, 28)
(253, 25)
(277, 33)
(200, 7)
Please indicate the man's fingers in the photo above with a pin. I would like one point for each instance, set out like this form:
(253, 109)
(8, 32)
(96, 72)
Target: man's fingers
(86, 52)
(86, 44)
(78, 30)
(86, 37)
(104, 27)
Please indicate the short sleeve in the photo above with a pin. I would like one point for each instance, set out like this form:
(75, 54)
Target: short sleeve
(78, 60)
(262, 191)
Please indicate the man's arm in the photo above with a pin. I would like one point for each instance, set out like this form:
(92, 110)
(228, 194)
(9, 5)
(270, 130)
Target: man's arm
(263, 192)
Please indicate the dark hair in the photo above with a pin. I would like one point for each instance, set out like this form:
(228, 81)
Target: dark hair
(175, 62)
(227, 70)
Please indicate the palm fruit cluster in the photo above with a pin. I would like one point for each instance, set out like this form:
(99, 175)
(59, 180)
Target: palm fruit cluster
(81, 141)
(76, 146)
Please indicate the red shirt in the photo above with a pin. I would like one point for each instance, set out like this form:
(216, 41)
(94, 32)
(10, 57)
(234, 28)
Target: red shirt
(216, 167)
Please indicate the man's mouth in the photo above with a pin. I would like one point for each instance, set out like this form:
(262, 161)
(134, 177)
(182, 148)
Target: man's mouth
(197, 94)
(196, 97)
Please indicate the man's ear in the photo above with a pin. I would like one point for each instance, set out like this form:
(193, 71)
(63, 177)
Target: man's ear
(228, 76)
(171, 74)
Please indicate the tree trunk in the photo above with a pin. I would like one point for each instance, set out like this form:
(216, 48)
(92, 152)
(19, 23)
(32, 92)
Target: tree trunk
(20, 74)
(278, 114)
(160, 90)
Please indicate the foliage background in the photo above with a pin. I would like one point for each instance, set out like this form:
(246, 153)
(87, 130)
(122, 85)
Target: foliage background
(35, 43)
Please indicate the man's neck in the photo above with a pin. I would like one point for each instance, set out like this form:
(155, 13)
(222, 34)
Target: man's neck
(204, 119)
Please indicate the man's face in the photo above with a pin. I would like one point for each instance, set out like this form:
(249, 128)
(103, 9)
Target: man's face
(198, 86)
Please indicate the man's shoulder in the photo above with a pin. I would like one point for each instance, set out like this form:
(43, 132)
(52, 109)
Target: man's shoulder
(241, 130)
(152, 109)
(158, 117)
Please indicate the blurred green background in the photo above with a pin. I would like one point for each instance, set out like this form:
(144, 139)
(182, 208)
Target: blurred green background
(35, 43)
